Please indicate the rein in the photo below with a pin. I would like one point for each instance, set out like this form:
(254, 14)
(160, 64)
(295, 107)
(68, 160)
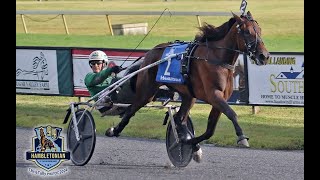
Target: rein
(224, 65)
(145, 36)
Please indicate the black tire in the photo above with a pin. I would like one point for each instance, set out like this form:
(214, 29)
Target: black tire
(181, 155)
(81, 151)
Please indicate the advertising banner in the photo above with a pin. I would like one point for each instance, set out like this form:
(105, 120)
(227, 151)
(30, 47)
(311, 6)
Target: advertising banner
(280, 82)
(36, 71)
(61, 71)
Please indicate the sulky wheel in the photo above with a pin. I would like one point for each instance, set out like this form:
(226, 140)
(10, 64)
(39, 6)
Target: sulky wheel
(180, 154)
(82, 150)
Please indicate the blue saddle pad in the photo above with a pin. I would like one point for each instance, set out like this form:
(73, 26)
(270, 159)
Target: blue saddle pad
(169, 71)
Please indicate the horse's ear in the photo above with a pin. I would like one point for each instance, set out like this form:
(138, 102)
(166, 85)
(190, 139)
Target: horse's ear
(238, 19)
(249, 15)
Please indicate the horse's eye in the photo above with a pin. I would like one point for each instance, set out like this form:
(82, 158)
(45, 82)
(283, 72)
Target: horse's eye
(246, 32)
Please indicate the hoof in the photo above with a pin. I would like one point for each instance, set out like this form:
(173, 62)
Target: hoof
(110, 132)
(197, 156)
(243, 141)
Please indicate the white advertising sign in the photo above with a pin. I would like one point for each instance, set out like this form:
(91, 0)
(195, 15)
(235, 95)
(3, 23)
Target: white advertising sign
(36, 71)
(80, 69)
(280, 82)
(80, 60)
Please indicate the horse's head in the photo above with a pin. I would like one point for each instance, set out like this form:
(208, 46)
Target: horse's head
(250, 32)
(41, 132)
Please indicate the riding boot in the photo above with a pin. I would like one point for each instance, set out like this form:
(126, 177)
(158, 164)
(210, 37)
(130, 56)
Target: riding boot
(104, 105)
(106, 101)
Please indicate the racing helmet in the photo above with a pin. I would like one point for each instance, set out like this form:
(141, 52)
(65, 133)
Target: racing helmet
(98, 56)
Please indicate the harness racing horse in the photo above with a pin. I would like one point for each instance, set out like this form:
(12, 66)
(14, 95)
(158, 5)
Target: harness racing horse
(210, 77)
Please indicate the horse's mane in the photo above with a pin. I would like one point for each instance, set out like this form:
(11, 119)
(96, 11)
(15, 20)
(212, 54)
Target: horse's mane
(209, 32)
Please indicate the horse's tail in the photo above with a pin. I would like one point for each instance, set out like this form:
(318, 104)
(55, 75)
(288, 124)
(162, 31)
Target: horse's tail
(128, 89)
(138, 59)
(135, 66)
(132, 68)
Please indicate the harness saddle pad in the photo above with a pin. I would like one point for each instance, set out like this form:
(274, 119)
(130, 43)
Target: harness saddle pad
(169, 71)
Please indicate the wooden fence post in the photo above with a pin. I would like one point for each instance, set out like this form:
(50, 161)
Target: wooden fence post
(199, 21)
(109, 24)
(81, 99)
(65, 24)
(255, 109)
(24, 24)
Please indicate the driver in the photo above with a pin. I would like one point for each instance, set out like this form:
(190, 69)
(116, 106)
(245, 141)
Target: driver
(99, 78)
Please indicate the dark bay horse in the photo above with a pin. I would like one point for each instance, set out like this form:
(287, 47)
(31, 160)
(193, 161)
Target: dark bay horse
(211, 76)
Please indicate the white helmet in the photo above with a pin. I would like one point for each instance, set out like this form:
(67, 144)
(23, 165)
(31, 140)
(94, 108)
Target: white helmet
(98, 56)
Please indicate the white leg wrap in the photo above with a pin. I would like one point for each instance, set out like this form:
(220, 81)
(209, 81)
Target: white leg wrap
(197, 156)
(244, 143)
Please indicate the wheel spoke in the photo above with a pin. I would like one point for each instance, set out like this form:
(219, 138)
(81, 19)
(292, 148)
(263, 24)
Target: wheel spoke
(82, 124)
(83, 151)
(173, 145)
(76, 147)
(86, 136)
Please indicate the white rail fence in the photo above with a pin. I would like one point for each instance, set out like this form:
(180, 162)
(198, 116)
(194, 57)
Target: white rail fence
(22, 13)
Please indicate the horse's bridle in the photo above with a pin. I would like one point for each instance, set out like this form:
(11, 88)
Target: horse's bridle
(250, 45)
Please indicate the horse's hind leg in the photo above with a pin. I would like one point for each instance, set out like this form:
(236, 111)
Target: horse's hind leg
(143, 96)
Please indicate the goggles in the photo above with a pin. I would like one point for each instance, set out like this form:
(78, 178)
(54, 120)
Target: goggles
(92, 63)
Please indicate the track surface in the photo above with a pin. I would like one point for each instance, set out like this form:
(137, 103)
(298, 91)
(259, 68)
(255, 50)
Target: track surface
(132, 158)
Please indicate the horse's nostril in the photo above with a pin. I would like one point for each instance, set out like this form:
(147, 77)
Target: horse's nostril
(261, 57)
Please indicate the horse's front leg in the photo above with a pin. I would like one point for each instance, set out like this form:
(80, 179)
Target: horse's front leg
(224, 107)
(212, 122)
(181, 118)
(221, 106)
